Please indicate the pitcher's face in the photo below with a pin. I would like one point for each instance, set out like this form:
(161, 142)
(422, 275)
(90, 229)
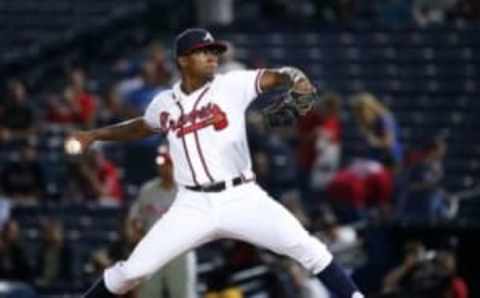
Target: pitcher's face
(201, 63)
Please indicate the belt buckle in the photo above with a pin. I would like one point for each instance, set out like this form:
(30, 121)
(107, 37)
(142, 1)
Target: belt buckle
(228, 183)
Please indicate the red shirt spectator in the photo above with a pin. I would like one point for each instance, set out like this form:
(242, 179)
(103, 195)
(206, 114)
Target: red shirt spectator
(459, 288)
(109, 176)
(306, 129)
(331, 125)
(348, 188)
(94, 177)
(78, 105)
(315, 125)
(86, 107)
(363, 183)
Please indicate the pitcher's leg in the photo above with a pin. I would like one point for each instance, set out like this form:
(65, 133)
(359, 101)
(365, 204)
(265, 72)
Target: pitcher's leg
(258, 219)
(179, 230)
(264, 222)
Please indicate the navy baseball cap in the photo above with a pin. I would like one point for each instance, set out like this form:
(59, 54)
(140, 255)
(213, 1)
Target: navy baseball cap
(196, 38)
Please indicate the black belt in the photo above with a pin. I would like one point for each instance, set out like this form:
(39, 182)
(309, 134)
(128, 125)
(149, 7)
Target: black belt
(219, 186)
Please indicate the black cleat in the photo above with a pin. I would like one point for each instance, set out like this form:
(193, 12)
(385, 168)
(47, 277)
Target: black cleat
(98, 290)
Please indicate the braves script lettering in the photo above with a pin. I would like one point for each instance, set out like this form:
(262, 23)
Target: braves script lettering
(210, 114)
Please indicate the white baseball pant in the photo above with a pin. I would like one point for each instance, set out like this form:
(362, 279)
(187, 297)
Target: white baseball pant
(245, 212)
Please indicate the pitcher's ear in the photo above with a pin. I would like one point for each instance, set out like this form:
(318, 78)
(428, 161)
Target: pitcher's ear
(181, 61)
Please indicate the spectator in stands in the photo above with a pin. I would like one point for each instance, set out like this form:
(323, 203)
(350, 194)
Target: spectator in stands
(137, 94)
(454, 286)
(155, 198)
(128, 76)
(93, 176)
(415, 253)
(112, 110)
(77, 188)
(363, 184)
(423, 197)
(106, 178)
(164, 68)
(23, 180)
(58, 109)
(137, 100)
(425, 273)
(428, 12)
(54, 261)
(82, 101)
(14, 264)
(78, 105)
(319, 134)
(379, 129)
(17, 117)
(227, 60)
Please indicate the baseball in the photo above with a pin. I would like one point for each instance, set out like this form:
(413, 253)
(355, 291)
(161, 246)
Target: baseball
(73, 146)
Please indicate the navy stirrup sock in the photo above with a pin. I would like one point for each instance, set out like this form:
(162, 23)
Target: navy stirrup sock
(337, 281)
(98, 290)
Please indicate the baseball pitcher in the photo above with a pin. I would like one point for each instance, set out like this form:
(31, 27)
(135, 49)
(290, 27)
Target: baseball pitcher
(203, 118)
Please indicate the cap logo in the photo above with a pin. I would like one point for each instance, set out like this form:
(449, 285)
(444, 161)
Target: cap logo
(208, 37)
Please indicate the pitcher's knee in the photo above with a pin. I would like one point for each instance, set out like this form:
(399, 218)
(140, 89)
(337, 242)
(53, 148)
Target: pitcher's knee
(119, 279)
(312, 254)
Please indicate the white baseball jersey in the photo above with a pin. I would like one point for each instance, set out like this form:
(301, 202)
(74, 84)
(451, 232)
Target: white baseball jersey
(206, 129)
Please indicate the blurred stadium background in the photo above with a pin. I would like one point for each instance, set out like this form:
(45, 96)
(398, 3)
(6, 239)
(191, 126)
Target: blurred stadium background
(400, 192)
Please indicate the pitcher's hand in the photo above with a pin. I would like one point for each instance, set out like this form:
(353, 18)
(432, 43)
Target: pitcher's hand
(78, 142)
